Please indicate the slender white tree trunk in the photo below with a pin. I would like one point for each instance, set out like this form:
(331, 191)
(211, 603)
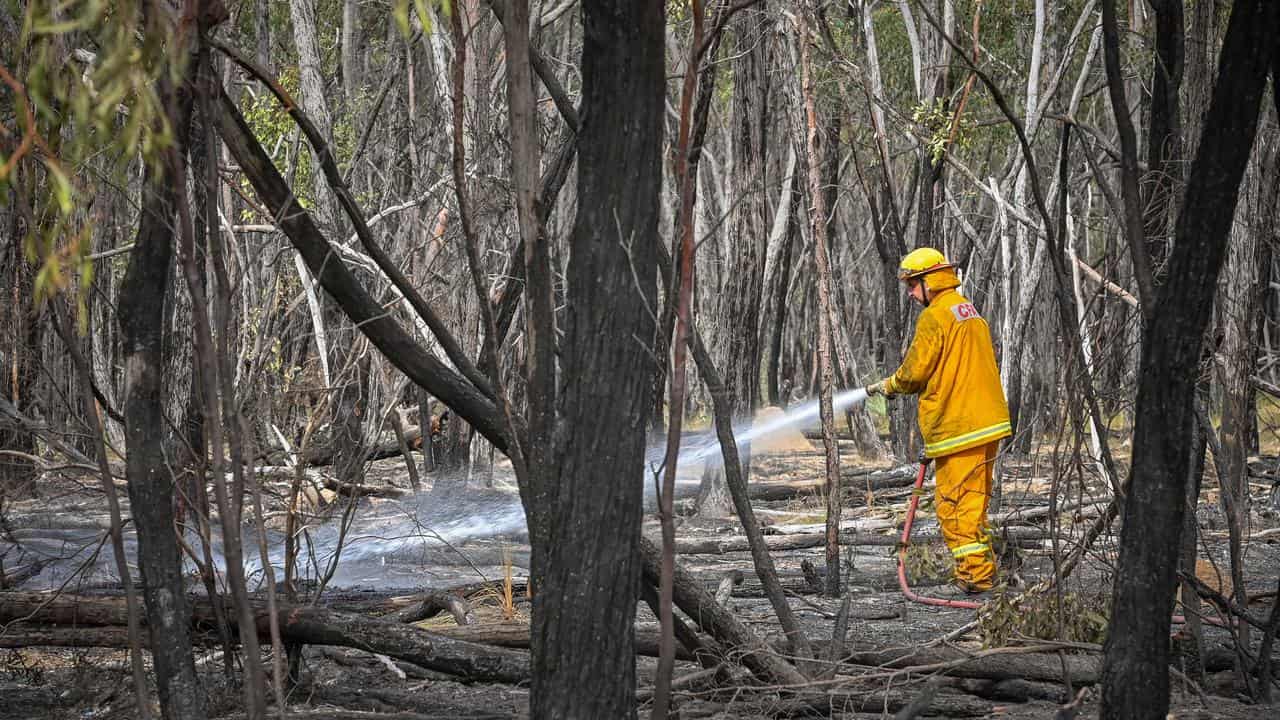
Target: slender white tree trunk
(313, 97)
(350, 53)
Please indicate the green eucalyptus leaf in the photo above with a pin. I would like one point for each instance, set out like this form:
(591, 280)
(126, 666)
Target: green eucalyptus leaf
(61, 185)
(400, 12)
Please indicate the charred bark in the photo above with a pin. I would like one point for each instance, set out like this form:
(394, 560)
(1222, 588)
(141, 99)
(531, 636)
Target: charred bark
(19, 360)
(1164, 133)
(735, 479)
(749, 230)
(1136, 682)
(748, 236)
(588, 567)
(298, 624)
(739, 640)
(144, 293)
(1133, 220)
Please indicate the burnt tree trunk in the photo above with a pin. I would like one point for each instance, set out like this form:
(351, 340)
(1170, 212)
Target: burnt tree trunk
(857, 419)
(737, 486)
(749, 231)
(1135, 675)
(719, 622)
(306, 625)
(1240, 312)
(1132, 202)
(1191, 648)
(143, 296)
(743, 289)
(587, 571)
(1164, 133)
(19, 359)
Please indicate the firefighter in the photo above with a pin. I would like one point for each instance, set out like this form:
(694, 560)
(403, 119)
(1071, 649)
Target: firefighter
(951, 365)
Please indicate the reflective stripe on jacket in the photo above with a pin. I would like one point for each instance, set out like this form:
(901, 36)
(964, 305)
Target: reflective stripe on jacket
(951, 364)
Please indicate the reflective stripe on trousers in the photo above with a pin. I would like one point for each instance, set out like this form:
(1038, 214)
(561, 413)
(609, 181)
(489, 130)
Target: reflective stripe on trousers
(970, 549)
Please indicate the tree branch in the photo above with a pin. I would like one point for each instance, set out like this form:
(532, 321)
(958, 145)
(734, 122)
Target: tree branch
(339, 186)
(424, 369)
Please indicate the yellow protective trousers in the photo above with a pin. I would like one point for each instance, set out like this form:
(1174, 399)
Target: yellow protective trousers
(962, 491)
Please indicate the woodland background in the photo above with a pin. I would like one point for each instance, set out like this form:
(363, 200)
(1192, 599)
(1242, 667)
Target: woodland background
(301, 229)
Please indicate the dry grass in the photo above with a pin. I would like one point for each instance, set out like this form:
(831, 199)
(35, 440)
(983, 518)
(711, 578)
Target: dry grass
(489, 605)
(508, 595)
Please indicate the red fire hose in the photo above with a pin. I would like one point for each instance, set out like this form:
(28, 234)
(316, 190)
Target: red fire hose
(906, 542)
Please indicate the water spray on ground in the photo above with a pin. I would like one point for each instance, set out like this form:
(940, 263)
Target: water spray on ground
(416, 541)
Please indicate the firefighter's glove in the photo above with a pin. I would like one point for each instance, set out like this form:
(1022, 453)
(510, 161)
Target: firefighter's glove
(878, 388)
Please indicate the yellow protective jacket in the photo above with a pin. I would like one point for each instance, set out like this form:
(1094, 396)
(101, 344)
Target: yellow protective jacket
(951, 364)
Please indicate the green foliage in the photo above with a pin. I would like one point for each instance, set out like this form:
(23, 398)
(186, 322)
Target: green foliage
(86, 94)
(1038, 615)
(274, 128)
(400, 11)
(937, 121)
(678, 11)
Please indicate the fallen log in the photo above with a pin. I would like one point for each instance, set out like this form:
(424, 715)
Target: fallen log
(1012, 689)
(734, 635)
(22, 574)
(325, 455)
(369, 603)
(298, 625)
(854, 482)
(800, 585)
(434, 603)
(839, 702)
(353, 489)
(470, 661)
(738, 543)
(1092, 508)
(920, 702)
(347, 703)
(397, 704)
(57, 609)
(995, 664)
(330, 714)
(867, 525)
(705, 652)
(513, 635)
(98, 625)
(285, 474)
(376, 602)
(1022, 537)
(84, 637)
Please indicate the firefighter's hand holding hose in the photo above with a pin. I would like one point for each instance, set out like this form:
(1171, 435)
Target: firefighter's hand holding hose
(879, 388)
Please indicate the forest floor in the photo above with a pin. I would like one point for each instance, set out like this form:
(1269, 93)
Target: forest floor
(1007, 660)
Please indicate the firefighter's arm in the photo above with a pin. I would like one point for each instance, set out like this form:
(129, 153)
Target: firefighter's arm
(922, 357)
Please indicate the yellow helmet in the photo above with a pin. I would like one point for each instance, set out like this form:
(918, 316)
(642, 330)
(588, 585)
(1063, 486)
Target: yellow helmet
(921, 261)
